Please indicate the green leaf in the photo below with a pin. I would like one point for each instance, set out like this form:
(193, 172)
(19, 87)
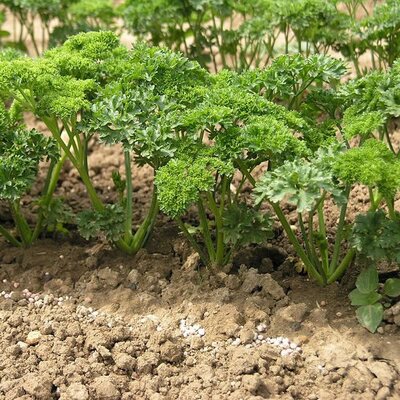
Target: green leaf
(244, 225)
(392, 287)
(300, 183)
(108, 222)
(372, 164)
(181, 181)
(368, 280)
(363, 299)
(376, 236)
(370, 316)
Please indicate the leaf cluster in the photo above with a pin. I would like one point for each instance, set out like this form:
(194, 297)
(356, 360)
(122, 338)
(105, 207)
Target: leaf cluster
(299, 182)
(376, 237)
(21, 150)
(244, 225)
(367, 297)
(371, 164)
(181, 182)
(108, 222)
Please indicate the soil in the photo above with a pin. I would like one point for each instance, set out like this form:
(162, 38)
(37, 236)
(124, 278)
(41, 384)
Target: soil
(80, 320)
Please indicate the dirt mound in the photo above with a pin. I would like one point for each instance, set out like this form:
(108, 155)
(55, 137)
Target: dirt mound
(77, 324)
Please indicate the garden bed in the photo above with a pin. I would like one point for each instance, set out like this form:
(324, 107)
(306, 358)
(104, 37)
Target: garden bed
(86, 322)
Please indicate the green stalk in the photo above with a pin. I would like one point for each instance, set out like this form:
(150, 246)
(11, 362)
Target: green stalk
(221, 236)
(375, 200)
(218, 41)
(239, 188)
(304, 235)
(76, 146)
(205, 229)
(219, 257)
(299, 250)
(192, 242)
(129, 200)
(324, 244)
(21, 224)
(94, 198)
(342, 266)
(10, 238)
(389, 142)
(314, 257)
(245, 172)
(141, 235)
(390, 206)
(51, 123)
(50, 187)
(339, 235)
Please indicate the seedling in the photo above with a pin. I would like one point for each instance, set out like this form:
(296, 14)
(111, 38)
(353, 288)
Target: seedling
(369, 297)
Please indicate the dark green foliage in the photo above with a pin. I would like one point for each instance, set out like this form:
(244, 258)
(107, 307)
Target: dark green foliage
(298, 182)
(377, 237)
(368, 298)
(392, 287)
(21, 150)
(109, 221)
(244, 225)
(289, 77)
(56, 214)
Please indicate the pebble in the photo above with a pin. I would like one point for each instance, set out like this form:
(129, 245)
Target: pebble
(22, 345)
(33, 338)
(261, 327)
(190, 330)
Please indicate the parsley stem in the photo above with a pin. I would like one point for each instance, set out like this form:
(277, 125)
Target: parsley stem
(245, 172)
(21, 224)
(129, 189)
(205, 229)
(314, 257)
(299, 250)
(192, 242)
(54, 174)
(342, 266)
(339, 234)
(323, 242)
(219, 257)
(140, 237)
(304, 235)
(10, 238)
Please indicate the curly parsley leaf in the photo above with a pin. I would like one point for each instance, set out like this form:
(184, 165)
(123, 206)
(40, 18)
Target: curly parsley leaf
(376, 236)
(109, 222)
(244, 225)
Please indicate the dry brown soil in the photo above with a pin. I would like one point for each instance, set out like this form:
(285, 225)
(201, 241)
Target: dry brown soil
(79, 320)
